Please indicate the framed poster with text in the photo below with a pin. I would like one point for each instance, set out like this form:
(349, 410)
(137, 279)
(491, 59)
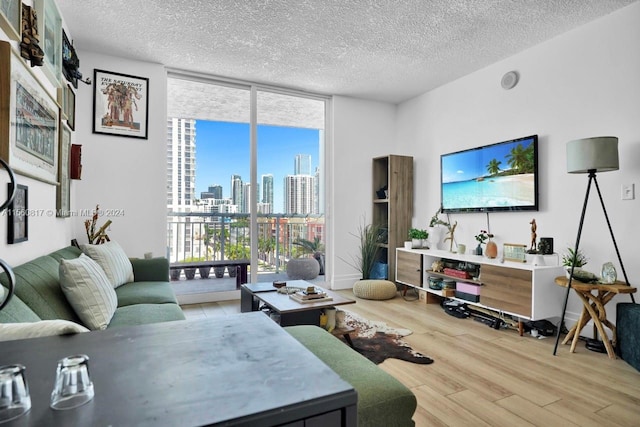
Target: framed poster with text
(120, 104)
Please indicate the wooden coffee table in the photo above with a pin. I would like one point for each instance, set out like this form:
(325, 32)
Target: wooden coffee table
(291, 312)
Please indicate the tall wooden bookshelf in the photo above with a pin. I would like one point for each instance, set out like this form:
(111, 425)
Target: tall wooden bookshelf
(395, 210)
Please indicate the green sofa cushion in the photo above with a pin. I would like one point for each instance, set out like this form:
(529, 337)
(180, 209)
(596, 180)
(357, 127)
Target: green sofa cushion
(145, 293)
(150, 270)
(37, 285)
(140, 314)
(69, 252)
(17, 312)
(382, 399)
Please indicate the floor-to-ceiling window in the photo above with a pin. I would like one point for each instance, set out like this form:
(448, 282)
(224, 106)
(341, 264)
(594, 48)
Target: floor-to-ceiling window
(245, 173)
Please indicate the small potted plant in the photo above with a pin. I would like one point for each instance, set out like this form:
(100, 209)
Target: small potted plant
(481, 238)
(418, 237)
(577, 259)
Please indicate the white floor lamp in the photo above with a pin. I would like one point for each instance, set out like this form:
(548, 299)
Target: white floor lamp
(591, 155)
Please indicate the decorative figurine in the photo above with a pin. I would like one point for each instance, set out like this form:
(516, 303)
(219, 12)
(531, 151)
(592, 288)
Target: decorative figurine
(534, 236)
(452, 229)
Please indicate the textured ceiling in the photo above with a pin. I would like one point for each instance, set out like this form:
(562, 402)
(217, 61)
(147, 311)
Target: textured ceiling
(374, 49)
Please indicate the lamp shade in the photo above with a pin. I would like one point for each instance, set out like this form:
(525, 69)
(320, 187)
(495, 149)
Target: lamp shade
(599, 154)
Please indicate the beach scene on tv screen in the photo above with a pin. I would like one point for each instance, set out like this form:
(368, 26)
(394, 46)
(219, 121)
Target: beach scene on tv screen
(494, 176)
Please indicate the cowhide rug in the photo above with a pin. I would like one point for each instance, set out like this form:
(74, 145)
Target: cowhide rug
(377, 341)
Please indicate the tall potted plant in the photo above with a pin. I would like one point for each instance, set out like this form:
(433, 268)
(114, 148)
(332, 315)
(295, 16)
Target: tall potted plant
(371, 237)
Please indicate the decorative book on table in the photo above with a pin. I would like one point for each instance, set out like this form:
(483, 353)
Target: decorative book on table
(303, 297)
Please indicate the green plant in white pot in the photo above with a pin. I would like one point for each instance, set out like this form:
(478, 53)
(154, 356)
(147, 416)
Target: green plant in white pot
(418, 237)
(577, 259)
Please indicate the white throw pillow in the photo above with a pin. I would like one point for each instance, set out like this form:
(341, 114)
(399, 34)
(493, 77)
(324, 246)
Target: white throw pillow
(113, 260)
(88, 290)
(43, 328)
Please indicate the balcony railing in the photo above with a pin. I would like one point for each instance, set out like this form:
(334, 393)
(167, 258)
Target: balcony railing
(200, 236)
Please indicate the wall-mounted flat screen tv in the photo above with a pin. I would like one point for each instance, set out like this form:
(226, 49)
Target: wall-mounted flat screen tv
(496, 177)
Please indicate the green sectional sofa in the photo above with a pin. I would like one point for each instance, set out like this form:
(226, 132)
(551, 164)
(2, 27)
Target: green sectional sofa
(382, 399)
(38, 295)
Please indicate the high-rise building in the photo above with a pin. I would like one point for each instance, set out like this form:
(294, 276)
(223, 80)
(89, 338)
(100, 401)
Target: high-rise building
(267, 189)
(264, 208)
(246, 198)
(213, 192)
(181, 163)
(181, 182)
(236, 190)
(298, 194)
(316, 192)
(302, 164)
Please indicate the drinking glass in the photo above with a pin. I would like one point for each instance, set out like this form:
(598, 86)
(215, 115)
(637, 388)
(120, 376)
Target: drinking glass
(14, 392)
(73, 387)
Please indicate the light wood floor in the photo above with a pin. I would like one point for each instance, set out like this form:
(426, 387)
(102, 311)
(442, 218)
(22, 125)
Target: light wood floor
(484, 377)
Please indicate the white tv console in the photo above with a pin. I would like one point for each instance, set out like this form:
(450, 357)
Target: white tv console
(520, 289)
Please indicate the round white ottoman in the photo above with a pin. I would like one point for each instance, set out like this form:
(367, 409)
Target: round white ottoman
(374, 289)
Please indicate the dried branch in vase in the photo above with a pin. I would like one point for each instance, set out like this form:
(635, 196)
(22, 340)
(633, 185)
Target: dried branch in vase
(96, 237)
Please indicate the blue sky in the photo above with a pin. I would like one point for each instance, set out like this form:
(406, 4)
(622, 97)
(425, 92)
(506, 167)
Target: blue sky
(222, 149)
(471, 164)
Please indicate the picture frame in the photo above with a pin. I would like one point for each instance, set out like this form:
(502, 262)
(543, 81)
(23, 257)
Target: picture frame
(11, 18)
(50, 31)
(120, 104)
(18, 220)
(70, 61)
(71, 108)
(514, 252)
(67, 101)
(29, 120)
(63, 190)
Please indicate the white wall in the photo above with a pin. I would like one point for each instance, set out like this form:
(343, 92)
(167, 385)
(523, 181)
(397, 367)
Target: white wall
(361, 130)
(125, 174)
(583, 83)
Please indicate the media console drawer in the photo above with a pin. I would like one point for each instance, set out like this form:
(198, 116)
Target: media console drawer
(507, 289)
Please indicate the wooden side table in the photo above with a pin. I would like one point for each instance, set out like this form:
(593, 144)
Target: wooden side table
(593, 307)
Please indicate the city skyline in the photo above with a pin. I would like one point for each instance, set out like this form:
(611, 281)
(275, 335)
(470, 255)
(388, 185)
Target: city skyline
(277, 150)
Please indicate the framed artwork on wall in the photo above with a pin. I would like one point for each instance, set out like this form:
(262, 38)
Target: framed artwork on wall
(18, 230)
(70, 61)
(67, 101)
(50, 31)
(120, 104)
(10, 17)
(28, 120)
(63, 191)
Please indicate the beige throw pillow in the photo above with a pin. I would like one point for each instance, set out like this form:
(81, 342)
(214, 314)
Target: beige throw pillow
(89, 291)
(43, 328)
(113, 260)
